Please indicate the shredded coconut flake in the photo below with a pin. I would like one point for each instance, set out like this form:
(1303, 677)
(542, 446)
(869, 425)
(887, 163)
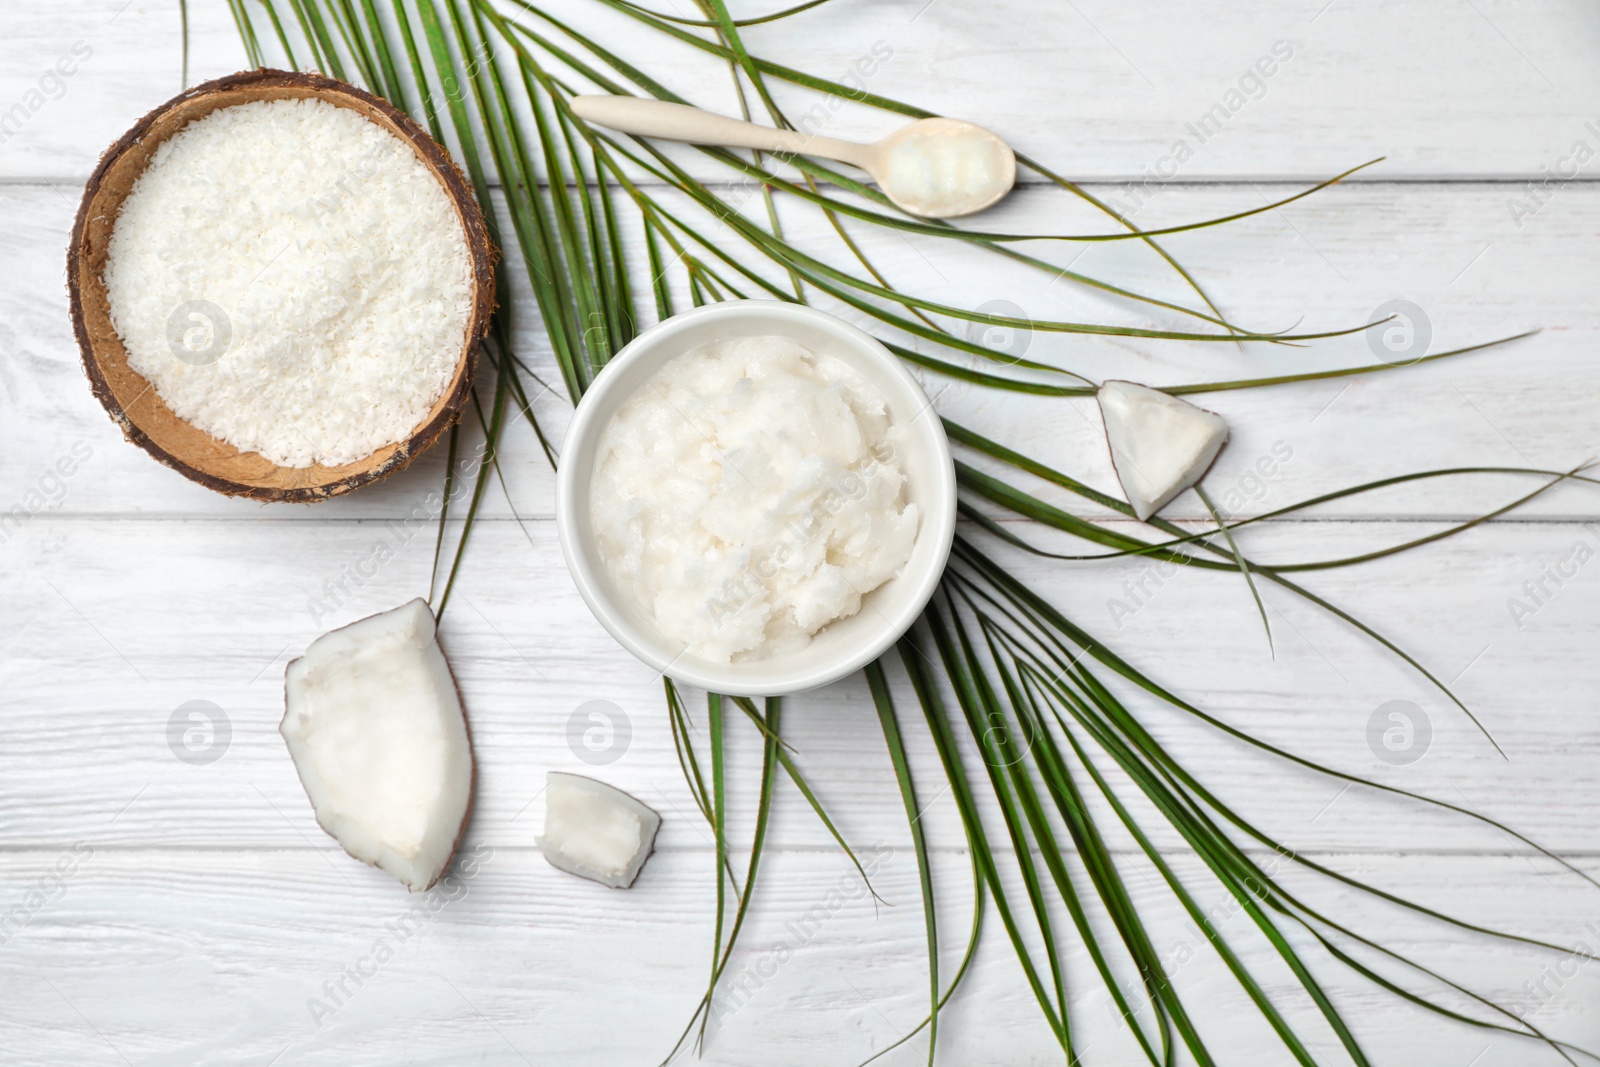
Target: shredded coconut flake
(292, 279)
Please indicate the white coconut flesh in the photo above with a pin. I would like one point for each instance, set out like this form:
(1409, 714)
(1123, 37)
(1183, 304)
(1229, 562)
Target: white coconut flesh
(596, 831)
(1160, 445)
(376, 731)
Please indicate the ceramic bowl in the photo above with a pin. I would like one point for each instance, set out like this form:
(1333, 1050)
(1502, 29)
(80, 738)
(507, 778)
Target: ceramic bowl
(843, 646)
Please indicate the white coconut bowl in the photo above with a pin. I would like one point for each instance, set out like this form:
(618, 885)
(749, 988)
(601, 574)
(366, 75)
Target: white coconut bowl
(842, 647)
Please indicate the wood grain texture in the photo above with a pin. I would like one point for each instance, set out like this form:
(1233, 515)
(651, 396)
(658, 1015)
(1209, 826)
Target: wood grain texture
(209, 908)
(218, 958)
(126, 621)
(1494, 89)
(1327, 262)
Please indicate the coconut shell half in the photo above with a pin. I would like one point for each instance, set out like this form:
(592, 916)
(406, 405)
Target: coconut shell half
(144, 418)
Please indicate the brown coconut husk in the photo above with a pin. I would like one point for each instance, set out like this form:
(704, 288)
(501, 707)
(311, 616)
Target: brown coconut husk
(135, 407)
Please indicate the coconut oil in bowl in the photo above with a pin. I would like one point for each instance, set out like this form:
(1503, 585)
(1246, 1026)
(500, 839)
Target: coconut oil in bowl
(756, 498)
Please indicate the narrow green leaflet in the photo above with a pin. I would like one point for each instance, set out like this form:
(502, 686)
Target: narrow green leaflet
(999, 674)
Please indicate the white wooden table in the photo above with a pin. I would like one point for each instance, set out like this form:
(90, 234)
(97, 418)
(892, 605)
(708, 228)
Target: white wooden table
(202, 908)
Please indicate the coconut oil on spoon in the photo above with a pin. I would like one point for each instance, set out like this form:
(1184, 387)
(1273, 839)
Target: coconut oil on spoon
(937, 168)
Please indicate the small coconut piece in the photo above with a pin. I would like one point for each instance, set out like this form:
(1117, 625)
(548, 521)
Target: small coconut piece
(374, 725)
(596, 831)
(1160, 445)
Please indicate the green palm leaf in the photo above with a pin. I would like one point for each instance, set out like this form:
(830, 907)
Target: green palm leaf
(994, 668)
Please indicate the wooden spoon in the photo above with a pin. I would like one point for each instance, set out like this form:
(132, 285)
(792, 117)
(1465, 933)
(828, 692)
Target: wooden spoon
(937, 168)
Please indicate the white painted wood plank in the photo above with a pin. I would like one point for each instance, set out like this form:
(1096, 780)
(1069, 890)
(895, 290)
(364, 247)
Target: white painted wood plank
(1327, 263)
(215, 958)
(114, 626)
(172, 946)
(1100, 90)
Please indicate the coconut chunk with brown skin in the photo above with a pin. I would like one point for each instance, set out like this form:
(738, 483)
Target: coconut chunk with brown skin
(1160, 445)
(596, 831)
(375, 727)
